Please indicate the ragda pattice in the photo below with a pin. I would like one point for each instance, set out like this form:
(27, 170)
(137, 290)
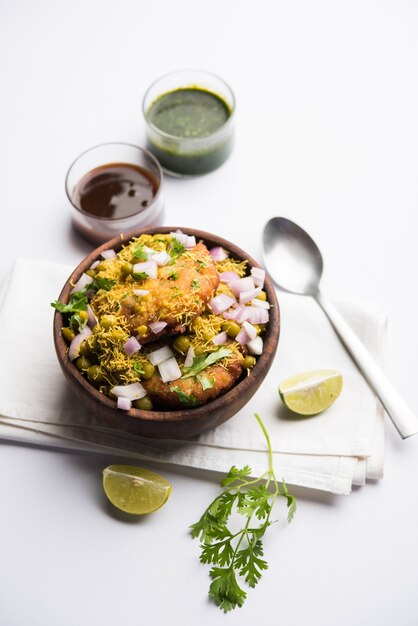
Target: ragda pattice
(166, 323)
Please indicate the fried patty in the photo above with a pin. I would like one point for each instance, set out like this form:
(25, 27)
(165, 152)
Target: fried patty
(191, 392)
(180, 293)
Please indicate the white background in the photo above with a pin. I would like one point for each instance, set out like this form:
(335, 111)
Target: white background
(327, 134)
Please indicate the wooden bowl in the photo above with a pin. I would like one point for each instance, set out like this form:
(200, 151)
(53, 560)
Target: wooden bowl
(176, 424)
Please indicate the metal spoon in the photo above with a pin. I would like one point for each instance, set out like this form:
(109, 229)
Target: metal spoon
(294, 262)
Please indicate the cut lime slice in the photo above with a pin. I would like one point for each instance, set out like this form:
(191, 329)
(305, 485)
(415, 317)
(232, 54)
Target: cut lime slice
(311, 392)
(135, 490)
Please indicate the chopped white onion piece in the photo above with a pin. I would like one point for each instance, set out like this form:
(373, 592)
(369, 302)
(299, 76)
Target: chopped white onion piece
(188, 361)
(94, 265)
(124, 403)
(92, 321)
(220, 339)
(221, 303)
(141, 292)
(255, 346)
(160, 258)
(147, 267)
(169, 370)
(191, 241)
(181, 237)
(243, 314)
(108, 254)
(246, 296)
(74, 349)
(258, 275)
(218, 253)
(242, 337)
(131, 346)
(255, 315)
(84, 280)
(157, 327)
(261, 303)
(250, 330)
(243, 284)
(227, 277)
(133, 391)
(86, 331)
(160, 355)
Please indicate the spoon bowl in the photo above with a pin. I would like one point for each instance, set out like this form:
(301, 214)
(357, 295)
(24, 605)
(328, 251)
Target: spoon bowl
(295, 264)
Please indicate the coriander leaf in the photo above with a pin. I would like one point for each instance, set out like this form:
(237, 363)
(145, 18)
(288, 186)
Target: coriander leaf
(140, 253)
(140, 275)
(291, 502)
(138, 368)
(225, 590)
(201, 362)
(101, 283)
(188, 399)
(249, 563)
(173, 276)
(235, 474)
(221, 552)
(195, 284)
(177, 248)
(207, 383)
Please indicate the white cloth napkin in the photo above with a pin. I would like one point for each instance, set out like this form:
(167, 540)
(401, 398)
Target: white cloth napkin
(332, 451)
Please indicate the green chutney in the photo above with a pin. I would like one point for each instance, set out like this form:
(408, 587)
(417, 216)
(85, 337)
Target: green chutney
(190, 130)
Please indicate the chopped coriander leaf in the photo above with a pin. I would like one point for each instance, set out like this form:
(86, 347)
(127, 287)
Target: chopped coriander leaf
(173, 276)
(239, 554)
(195, 284)
(207, 383)
(140, 253)
(140, 276)
(188, 399)
(138, 368)
(201, 362)
(77, 302)
(101, 283)
(177, 248)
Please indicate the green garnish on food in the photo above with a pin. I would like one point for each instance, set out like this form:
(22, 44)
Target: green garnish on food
(177, 248)
(78, 301)
(140, 275)
(239, 552)
(201, 362)
(195, 284)
(207, 383)
(140, 253)
(138, 368)
(185, 398)
(173, 276)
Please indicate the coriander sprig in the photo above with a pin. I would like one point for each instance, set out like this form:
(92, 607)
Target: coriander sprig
(239, 553)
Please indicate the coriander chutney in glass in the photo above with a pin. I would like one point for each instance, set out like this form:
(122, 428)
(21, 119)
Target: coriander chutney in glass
(190, 128)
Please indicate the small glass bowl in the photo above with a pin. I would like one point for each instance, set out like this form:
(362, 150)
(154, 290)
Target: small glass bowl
(190, 156)
(97, 229)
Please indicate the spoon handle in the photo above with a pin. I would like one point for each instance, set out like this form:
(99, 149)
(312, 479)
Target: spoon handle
(401, 415)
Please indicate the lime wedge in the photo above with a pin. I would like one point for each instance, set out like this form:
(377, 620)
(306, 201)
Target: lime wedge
(135, 490)
(311, 392)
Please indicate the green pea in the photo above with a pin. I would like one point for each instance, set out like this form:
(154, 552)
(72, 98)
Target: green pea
(85, 349)
(148, 370)
(83, 364)
(144, 404)
(231, 328)
(67, 333)
(181, 344)
(126, 268)
(197, 323)
(108, 321)
(95, 374)
(249, 362)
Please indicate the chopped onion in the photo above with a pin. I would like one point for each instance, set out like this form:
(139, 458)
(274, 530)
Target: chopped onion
(160, 258)
(108, 254)
(147, 267)
(218, 253)
(131, 346)
(157, 327)
(92, 321)
(220, 339)
(242, 337)
(231, 314)
(243, 314)
(188, 361)
(255, 346)
(250, 330)
(124, 403)
(169, 370)
(261, 303)
(133, 391)
(141, 292)
(246, 296)
(160, 355)
(181, 237)
(86, 331)
(255, 315)
(243, 284)
(94, 265)
(191, 241)
(221, 303)
(74, 349)
(227, 277)
(84, 280)
(258, 275)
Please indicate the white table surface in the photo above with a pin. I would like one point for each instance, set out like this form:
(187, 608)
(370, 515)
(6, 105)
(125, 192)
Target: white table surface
(327, 134)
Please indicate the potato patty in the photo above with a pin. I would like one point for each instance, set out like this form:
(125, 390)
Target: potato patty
(193, 391)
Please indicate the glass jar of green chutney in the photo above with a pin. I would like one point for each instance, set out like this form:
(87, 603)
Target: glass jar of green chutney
(190, 122)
